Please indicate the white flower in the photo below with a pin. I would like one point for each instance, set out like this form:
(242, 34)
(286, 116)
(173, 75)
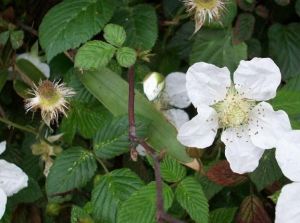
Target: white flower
(12, 180)
(288, 158)
(50, 98)
(203, 9)
(153, 84)
(248, 127)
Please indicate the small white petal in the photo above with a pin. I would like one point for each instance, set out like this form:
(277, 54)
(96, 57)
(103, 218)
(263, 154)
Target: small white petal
(141, 150)
(288, 204)
(288, 154)
(206, 83)
(176, 116)
(48, 164)
(43, 67)
(153, 85)
(12, 178)
(242, 155)
(267, 126)
(2, 147)
(175, 92)
(258, 79)
(3, 200)
(201, 131)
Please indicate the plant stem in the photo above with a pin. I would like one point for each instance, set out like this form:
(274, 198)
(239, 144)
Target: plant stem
(102, 164)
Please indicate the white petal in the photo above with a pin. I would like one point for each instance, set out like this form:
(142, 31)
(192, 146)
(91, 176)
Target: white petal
(242, 155)
(153, 85)
(288, 154)
(258, 79)
(206, 83)
(3, 200)
(176, 116)
(2, 147)
(288, 204)
(267, 126)
(175, 92)
(141, 150)
(201, 131)
(43, 67)
(12, 178)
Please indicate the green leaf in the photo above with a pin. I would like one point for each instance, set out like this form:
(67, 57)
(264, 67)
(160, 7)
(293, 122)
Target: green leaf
(94, 55)
(171, 170)
(283, 2)
(73, 168)
(210, 188)
(140, 24)
(126, 56)
(222, 215)
(293, 84)
(141, 206)
(217, 47)
(244, 27)
(112, 139)
(246, 5)
(112, 91)
(114, 34)
(267, 172)
(254, 48)
(29, 194)
(16, 39)
(191, 197)
(78, 213)
(297, 7)
(31, 165)
(4, 37)
(68, 127)
(31, 71)
(3, 77)
(284, 45)
(112, 191)
(287, 101)
(274, 197)
(67, 25)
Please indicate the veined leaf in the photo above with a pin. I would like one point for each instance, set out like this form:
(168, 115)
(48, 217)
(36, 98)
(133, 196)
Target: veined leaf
(191, 197)
(112, 139)
(244, 27)
(112, 191)
(94, 55)
(16, 39)
(114, 34)
(287, 101)
(217, 47)
(222, 215)
(73, 168)
(171, 170)
(284, 45)
(141, 206)
(78, 213)
(126, 56)
(67, 25)
(31, 71)
(112, 91)
(140, 24)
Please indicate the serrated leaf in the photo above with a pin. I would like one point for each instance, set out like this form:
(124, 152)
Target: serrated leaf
(112, 139)
(112, 91)
(77, 213)
(252, 211)
(171, 170)
(4, 37)
(67, 25)
(115, 67)
(94, 55)
(16, 39)
(282, 2)
(111, 192)
(222, 215)
(284, 45)
(254, 48)
(73, 168)
(243, 27)
(68, 127)
(114, 34)
(246, 5)
(126, 56)
(217, 47)
(191, 197)
(145, 200)
(287, 101)
(262, 11)
(31, 165)
(222, 174)
(210, 188)
(267, 172)
(140, 24)
(293, 84)
(31, 71)
(29, 194)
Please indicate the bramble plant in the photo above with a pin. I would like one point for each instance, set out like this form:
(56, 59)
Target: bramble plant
(137, 111)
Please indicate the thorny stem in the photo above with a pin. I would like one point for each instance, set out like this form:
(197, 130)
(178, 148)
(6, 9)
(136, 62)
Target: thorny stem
(160, 213)
(74, 191)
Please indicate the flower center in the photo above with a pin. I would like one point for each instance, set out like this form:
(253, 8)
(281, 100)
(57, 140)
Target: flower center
(49, 95)
(206, 4)
(233, 110)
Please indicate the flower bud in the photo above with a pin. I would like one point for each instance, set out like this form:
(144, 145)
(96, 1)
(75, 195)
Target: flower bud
(153, 85)
(53, 209)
